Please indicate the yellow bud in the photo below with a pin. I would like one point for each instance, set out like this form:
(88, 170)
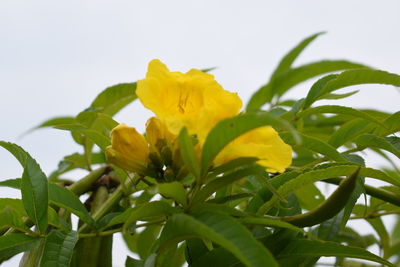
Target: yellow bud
(157, 133)
(129, 149)
(263, 143)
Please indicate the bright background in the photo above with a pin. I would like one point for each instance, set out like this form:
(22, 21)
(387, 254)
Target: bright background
(56, 56)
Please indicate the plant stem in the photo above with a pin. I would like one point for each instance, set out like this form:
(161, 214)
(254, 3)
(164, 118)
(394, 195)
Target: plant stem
(372, 191)
(114, 198)
(84, 184)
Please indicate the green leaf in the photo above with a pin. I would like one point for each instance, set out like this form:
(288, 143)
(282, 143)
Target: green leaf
(188, 153)
(174, 190)
(348, 132)
(392, 124)
(34, 193)
(383, 234)
(234, 164)
(114, 98)
(307, 248)
(270, 222)
(315, 145)
(287, 187)
(339, 96)
(33, 186)
(330, 207)
(58, 248)
(147, 239)
(220, 229)
(287, 80)
(12, 183)
(13, 244)
(53, 122)
(131, 262)
(227, 130)
(64, 198)
(349, 78)
(223, 181)
(335, 109)
(10, 217)
(218, 257)
(98, 138)
(286, 63)
(149, 211)
(370, 140)
(18, 152)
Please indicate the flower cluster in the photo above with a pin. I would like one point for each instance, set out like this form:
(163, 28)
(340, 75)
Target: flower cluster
(196, 101)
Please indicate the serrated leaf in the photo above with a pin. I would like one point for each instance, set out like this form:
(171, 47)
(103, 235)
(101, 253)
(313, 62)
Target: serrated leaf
(292, 77)
(53, 122)
(34, 193)
(276, 223)
(13, 244)
(12, 183)
(339, 96)
(114, 98)
(370, 140)
(335, 109)
(221, 229)
(227, 130)
(223, 181)
(392, 124)
(315, 145)
(11, 218)
(317, 175)
(348, 132)
(62, 197)
(33, 186)
(307, 248)
(58, 248)
(286, 62)
(349, 78)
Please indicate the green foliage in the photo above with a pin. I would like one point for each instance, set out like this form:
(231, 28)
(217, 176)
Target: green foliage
(182, 208)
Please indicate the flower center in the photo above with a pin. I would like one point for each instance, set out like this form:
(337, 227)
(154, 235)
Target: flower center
(183, 99)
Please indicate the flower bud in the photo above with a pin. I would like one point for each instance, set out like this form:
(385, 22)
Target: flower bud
(129, 149)
(157, 134)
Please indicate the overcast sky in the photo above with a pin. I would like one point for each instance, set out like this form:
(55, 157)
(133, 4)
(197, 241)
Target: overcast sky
(56, 56)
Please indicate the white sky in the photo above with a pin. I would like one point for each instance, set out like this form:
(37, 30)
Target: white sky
(55, 56)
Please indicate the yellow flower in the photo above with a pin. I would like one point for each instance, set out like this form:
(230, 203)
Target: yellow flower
(157, 134)
(129, 149)
(263, 143)
(193, 100)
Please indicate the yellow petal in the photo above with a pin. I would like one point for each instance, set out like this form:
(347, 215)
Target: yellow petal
(193, 100)
(263, 143)
(129, 149)
(156, 132)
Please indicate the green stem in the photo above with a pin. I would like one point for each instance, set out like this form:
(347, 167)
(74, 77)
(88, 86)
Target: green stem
(114, 198)
(84, 184)
(373, 192)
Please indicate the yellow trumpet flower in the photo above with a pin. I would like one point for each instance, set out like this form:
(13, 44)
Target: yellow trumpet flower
(263, 143)
(129, 149)
(193, 100)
